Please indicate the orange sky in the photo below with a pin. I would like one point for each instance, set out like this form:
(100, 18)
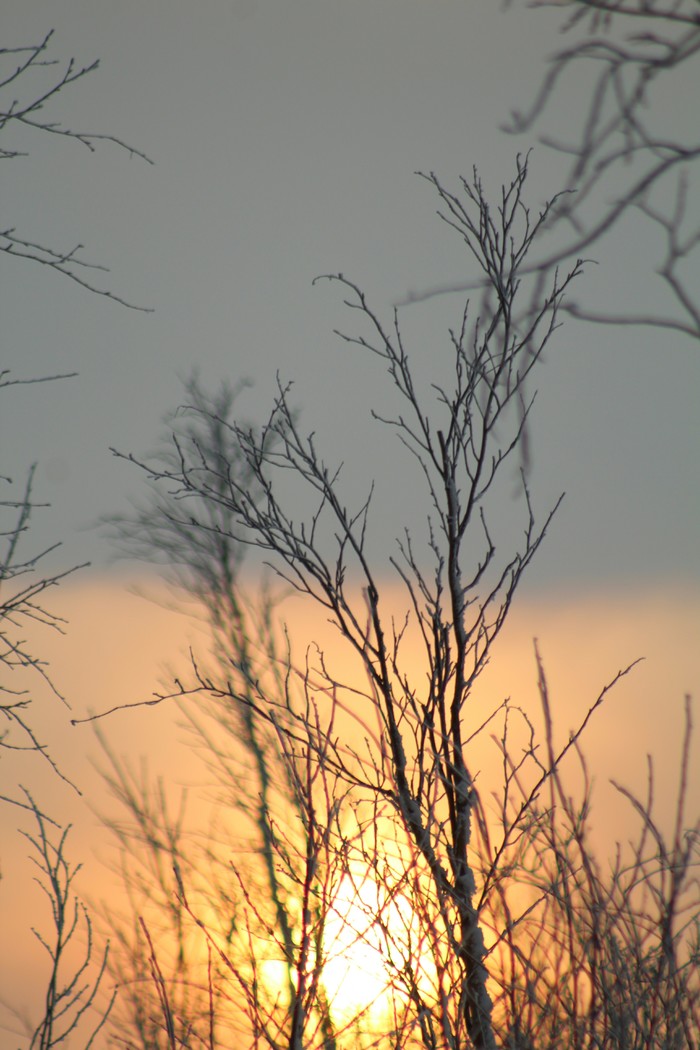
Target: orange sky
(118, 643)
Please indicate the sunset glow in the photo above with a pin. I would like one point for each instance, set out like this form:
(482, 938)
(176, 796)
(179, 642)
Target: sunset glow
(123, 641)
(357, 974)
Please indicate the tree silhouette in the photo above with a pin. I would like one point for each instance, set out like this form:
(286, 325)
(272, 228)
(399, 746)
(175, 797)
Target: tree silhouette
(496, 924)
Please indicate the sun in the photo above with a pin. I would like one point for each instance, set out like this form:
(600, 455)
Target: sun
(370, 941)
(357, 973)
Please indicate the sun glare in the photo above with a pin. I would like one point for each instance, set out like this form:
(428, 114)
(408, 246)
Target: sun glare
(355, 973)
(367, 938)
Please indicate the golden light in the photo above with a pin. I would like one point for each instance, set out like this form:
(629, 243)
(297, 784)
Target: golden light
(113, 654)
(355, 974)
(372, 940)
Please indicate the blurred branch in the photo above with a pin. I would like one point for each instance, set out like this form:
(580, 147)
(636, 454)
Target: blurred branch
(622, 158)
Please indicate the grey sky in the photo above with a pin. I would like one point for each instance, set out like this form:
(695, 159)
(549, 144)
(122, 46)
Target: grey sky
(285, 137)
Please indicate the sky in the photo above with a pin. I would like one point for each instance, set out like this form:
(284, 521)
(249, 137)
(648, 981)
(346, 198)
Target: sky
(285, 138)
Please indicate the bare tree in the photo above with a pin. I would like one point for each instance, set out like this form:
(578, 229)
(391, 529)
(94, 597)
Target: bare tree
(29, 82)
(496, 924)
(416, 765)
(626, 155)
(266, 868)
(631, 161)
(73, 985)
(23, 587)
